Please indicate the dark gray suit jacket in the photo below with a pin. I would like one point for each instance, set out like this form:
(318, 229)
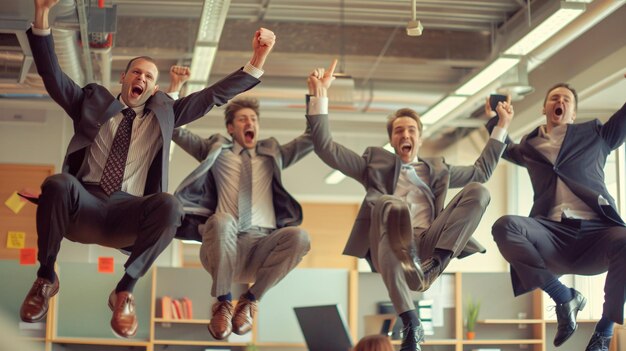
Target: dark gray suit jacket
(378, 170)
(92, 106)
(198, 193)
(580, 164)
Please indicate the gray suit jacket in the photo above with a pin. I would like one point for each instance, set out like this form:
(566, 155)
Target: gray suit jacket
(378, 170)
(197, 191)
(92, 106)
(580, 164)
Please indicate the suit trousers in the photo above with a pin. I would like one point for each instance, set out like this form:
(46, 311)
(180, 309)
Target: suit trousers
(143, 226)
(260, 256)
(539, 250)
(450, 230)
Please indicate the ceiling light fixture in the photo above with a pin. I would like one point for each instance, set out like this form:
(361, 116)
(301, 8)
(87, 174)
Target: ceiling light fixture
(414, 28)
(487, 75)
(214, 13)
(564, 14)
(442, 108)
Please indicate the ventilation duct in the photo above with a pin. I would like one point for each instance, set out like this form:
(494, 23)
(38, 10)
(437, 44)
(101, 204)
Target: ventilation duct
(515, 82)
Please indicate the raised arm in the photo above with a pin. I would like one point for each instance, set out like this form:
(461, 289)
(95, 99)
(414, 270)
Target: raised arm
(483, 167)
(614, 130)
(196, 105)
(61, 88)
(178, 76)
(193, 144)
(512, 151)
(333, 154)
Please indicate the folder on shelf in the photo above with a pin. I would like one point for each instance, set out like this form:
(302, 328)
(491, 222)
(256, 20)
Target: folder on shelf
(177, 309)
(165, 307)
(187, 307)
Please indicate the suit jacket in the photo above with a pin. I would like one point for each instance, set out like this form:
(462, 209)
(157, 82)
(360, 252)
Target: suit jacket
(92, 106)
(579, 164)
(378, 171)
(198, 193)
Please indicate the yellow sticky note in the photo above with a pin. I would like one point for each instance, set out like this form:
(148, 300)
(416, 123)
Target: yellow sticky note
(15, 203)
(16, 240)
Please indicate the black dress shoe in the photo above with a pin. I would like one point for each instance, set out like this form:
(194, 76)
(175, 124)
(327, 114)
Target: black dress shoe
(400, 232)
(566, 317)
(412, 336)
(598, 343)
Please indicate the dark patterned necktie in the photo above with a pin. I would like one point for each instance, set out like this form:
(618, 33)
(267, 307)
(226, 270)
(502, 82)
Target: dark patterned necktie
(113, 172)
(245, 192)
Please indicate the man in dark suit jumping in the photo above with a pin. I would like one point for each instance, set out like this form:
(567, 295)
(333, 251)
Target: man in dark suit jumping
(112, 189)
(574, 226)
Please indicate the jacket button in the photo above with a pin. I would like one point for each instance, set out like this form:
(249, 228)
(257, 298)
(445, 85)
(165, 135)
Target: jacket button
(98, 124)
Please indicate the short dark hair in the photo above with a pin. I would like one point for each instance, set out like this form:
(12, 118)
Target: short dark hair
(566, 86)
(239, 104)
(145, 58)
(403, 112)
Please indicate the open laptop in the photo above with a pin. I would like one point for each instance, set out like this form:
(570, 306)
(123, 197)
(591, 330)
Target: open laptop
(324, 328)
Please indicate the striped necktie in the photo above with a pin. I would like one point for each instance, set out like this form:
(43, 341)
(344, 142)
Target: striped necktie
(113, 172)
(245, 191)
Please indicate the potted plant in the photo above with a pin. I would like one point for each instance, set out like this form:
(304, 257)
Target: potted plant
(251, 347)
(473, 307)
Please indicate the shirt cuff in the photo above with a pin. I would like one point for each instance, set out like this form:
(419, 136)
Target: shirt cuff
(39, 31)
(174, 94)
(253, 71)
(499, 134)
(318, 106)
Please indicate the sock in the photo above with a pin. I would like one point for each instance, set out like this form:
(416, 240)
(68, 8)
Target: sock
(250, 296)
(557, 291)
(605, 326)
(126, 284)
(409, 318)
(46, 271)
(443, 256)
(227, 297)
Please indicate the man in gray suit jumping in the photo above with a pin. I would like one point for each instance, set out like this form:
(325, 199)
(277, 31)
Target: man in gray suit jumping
(574, 226)
(402, 227)
(236, 205)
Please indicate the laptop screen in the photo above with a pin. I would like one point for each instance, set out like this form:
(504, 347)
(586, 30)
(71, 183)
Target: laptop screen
(324, 328)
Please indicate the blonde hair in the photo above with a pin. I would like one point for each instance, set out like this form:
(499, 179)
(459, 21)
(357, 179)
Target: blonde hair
(377, 342)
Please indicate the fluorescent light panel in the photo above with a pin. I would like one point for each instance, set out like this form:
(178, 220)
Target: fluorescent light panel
(202, 62)
(544, 31)
(442, 108)
(334, 177)
(487, 75)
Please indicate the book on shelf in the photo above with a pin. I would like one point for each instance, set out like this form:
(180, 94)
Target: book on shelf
(172, 309)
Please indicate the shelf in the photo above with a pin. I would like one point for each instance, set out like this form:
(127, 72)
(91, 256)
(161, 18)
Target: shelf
(281, 344)
(553, 321)
(198, 343)
(432, 342)
(502, 342)
(182, 321)
(100, 341)
(510, 321)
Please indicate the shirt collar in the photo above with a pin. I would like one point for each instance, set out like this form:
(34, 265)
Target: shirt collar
(238, 148)
(139, 110)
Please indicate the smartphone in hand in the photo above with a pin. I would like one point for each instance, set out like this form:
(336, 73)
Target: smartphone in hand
(494, 99)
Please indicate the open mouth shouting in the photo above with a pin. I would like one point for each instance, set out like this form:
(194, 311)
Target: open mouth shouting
(406, 148)
(136, 91)
(558, 111)
(248, 136)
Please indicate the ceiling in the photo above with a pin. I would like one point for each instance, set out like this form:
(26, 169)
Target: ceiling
(391, 70)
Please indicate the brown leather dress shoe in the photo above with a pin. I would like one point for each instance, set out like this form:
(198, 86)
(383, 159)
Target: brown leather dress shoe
(124, 320)
(220, 326)
(244, 315)
(35, 305)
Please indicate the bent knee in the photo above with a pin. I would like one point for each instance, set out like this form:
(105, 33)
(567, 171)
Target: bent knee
(169, 208)
(478, 193)
(502, 228)
(58, 183)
